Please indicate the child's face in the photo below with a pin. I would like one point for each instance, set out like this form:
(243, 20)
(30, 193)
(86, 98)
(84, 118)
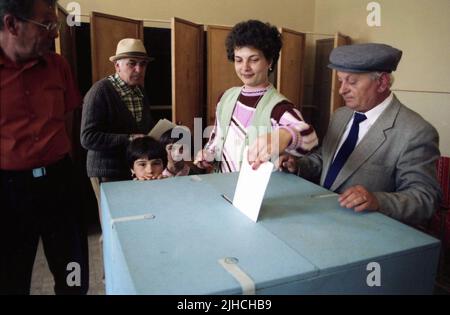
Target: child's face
(145, 169)
(176, 152)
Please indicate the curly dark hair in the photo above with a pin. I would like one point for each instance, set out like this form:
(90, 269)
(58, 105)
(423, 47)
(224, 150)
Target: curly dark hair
(256, 34)
(19, 8)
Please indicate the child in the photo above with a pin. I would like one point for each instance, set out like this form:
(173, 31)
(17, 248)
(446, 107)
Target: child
(176, 166)
(146, 158)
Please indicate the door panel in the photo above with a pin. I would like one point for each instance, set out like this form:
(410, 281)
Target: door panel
(290, 66)
(221, 73)
(322, 86)
(65, 42)
(106, 32)
(187, 72)
(65, 46)
(336, 99)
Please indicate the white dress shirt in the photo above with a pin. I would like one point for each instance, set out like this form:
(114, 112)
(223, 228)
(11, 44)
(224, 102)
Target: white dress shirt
(372, 116)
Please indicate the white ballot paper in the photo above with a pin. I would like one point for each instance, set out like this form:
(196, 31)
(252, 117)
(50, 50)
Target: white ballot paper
(251, 187)
(161, 126)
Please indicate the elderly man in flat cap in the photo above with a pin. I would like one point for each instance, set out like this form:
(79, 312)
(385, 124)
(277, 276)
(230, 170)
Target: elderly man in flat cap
(378, 154)
(116, 111)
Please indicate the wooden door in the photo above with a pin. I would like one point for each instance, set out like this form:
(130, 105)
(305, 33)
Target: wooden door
(336, 100)
(221, 74)
(187, 72)
(322, 86)
(290, 66)
(65, 46)
(106, 32)
(65, 42)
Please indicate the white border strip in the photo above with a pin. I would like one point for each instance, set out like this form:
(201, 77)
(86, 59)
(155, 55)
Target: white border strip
(133, 218)
(247, 284)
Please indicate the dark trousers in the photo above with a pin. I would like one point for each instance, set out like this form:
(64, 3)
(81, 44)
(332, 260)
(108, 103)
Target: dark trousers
(45, 207)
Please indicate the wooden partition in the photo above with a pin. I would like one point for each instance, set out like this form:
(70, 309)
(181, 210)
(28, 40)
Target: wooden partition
(291, 65)
(336, 99)
(65, 46)
(187, 72)
(322, 86)
(326, 98)
(188, 64)
(221, 73)
(65, 42)
(106, 31)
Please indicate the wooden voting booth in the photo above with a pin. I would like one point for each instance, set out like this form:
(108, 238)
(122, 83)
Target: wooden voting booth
(106, 31)
(186, 59)
(288, 73)
(191, 69)
(220, 72)
(290, 66)
(187, 72)
(195, 68)
(65, 44)
(326, 98)
(199, 69)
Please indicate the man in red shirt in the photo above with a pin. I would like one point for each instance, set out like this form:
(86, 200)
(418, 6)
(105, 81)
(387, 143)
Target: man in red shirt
(38, 196)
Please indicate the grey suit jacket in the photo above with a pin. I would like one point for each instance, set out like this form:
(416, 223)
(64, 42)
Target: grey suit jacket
(395, 160)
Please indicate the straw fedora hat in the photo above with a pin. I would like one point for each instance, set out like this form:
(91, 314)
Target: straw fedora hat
(130, 48)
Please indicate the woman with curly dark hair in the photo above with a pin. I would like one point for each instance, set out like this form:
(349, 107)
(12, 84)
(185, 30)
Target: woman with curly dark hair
(254, 114)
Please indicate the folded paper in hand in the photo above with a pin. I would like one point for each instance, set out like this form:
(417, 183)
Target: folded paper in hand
(162, 126)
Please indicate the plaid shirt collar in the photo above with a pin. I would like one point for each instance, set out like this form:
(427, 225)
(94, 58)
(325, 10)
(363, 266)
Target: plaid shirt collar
(123, 88)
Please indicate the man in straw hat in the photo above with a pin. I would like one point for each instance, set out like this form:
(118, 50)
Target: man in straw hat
(378, 154)
(116, 111)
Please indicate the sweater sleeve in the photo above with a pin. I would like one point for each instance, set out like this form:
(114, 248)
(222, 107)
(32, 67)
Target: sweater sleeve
(284, 115)
(94, 122)
(211, 145)
(310, 165)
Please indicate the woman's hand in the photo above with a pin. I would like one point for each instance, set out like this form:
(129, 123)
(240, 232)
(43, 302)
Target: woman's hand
(268, 146)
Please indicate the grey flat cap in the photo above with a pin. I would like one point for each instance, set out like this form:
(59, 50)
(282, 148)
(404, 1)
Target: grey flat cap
(365, 58)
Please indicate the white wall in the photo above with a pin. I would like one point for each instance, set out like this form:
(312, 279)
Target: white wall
(421, 29)
(296, 14)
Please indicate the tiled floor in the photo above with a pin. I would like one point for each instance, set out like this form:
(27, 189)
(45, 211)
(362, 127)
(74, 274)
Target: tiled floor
(42, 280)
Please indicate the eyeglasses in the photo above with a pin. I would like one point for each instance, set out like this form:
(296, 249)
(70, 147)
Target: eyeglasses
(51, 26)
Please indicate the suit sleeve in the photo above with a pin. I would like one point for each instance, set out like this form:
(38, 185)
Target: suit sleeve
(310, 166)
(417, 190)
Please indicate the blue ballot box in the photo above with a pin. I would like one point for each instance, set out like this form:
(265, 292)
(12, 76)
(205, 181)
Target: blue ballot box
(180, 236)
